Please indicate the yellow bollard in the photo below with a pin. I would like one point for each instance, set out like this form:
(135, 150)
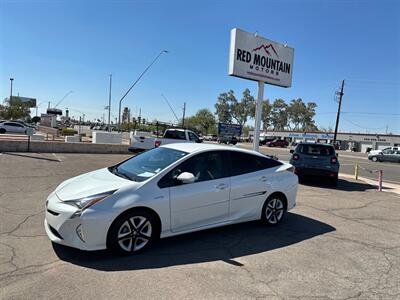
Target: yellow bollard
(356, 170)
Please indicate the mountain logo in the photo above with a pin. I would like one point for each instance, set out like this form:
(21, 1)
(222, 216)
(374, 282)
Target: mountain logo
(266, 47)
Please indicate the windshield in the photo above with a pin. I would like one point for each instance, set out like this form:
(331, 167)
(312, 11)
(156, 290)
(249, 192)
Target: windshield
(318, 150)
(147, 164)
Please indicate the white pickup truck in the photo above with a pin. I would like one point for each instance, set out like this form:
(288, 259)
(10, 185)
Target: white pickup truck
(143, 141)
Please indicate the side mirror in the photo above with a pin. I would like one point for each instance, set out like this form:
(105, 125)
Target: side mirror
(337, 154)
(291, 151)
(199, 140)
(186, 177)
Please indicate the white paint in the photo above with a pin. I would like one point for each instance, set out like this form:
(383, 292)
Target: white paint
(181, 208)
(260, 97)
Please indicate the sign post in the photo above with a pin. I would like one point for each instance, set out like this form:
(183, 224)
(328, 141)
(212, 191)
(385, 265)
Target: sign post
(256, 58)
(260, 96)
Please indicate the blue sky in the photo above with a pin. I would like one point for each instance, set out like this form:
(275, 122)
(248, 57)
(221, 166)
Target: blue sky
(52, 47)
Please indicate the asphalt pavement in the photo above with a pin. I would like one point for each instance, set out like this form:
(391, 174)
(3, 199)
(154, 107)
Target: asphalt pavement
(338, 243)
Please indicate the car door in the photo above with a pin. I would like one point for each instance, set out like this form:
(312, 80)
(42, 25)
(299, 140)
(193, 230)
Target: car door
(250, 183)
(203, 202)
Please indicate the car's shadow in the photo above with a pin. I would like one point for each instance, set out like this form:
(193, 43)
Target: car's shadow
(343, 185)
(219, 244)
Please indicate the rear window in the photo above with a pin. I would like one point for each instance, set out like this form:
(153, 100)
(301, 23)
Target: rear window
(243, 163)
(175, 134)
(317, 150)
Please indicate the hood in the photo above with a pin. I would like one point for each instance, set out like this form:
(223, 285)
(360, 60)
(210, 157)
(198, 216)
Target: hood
(91, 183)
(375, 152)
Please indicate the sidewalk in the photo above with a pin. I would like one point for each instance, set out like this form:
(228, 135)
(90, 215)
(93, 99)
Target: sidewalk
(386, 187)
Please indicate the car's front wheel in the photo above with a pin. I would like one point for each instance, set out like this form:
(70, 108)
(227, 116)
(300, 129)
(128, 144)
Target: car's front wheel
(2, 130)
(132, 232)
(274, 210)
(374, 159)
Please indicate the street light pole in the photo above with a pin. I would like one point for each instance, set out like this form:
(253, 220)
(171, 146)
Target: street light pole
(137, 80)
(109, 106)
(11, 86)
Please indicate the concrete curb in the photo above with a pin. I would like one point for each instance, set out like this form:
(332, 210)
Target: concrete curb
(387, 187)
(62, 147)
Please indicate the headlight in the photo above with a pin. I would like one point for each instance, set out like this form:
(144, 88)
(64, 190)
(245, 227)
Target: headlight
(87, 202)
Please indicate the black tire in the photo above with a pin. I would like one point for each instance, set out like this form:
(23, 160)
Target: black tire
(334, 181)
(133, 232)
(374, 159)
(272, 213)
(2, 130)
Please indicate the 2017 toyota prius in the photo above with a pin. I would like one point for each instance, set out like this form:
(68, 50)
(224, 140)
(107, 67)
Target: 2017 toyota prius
(166, 191)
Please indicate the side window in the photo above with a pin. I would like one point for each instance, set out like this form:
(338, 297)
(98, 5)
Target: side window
(169, 134)
(204, 166)
(192, 136)
(387, 151)
(243, 163)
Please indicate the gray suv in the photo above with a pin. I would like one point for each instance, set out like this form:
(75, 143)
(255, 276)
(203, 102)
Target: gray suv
(312, 159)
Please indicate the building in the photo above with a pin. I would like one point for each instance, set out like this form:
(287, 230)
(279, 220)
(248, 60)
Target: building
(359, 142)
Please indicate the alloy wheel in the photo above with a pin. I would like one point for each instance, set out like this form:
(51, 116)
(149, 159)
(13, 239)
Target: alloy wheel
(134, 234)
(274, 211)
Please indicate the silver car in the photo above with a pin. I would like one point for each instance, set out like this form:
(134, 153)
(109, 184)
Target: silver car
(388, 154)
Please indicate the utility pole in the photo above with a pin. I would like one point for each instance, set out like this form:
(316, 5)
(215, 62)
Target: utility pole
(338, 112)
(183, 117)
(109, 106)
(11, 86)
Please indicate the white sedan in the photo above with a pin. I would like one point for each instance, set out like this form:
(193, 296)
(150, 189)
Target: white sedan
(13, 127)
(167, 191)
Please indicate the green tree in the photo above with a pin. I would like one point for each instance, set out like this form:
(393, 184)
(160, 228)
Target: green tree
(203, 121)
(229, 109)
(309, 123)
(279, 114)
(244, 109)
(15, 110)
(266, 114)
(223, 106)
(206, 119)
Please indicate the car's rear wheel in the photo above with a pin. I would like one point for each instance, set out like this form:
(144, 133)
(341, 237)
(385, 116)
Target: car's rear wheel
(334, 181)
(274, 210)
(2, 130)
(132, 232)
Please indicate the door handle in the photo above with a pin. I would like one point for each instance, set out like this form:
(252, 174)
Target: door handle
(263, 178)
(221, 186)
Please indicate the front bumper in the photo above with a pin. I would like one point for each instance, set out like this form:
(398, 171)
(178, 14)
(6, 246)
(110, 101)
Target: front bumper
(62, 229)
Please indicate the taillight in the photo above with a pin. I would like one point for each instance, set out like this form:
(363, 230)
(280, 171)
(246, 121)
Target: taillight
(333, 160)
(157, 143)
(296, 157)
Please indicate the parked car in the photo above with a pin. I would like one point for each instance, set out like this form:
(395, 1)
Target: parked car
(277, 143)
(313, 159)
(145, 141)
(263, 140)
(391, 154)
(14, 127)
(170, 190)
(229, 140)
(380, 151)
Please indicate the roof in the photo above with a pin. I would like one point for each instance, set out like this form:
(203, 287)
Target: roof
(199, 147)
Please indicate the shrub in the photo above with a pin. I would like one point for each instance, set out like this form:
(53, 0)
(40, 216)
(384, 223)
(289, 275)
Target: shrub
(68, 131)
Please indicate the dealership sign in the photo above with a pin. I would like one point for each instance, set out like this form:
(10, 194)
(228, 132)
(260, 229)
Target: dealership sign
(256, 58)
